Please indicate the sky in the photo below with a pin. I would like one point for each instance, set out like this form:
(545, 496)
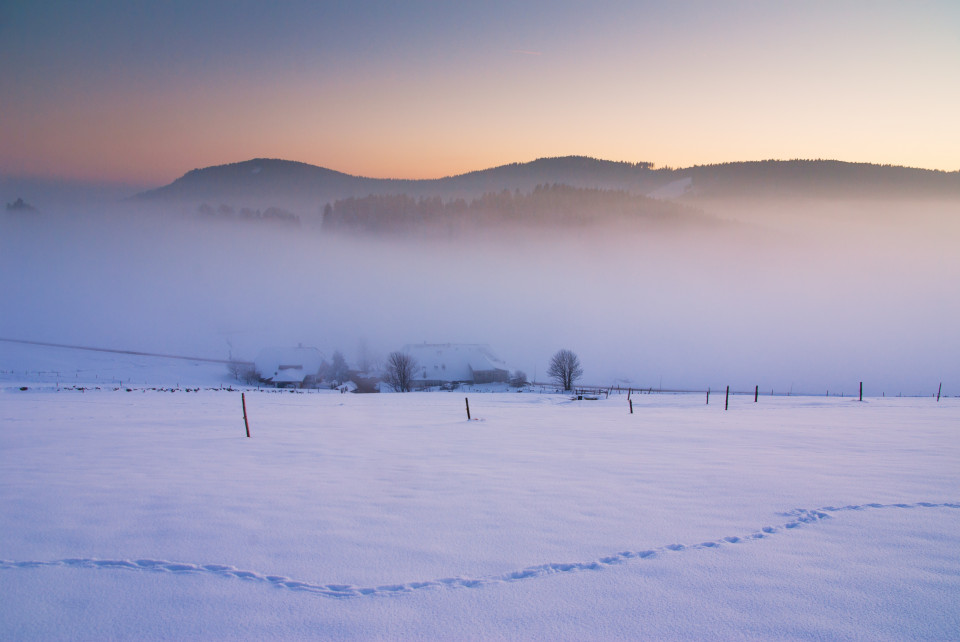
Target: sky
(141, 92)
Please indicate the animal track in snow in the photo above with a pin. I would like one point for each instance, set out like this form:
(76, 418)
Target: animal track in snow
(797, 518)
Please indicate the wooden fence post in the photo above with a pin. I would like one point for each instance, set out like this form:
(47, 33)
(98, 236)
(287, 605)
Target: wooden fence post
(246, 424)
(861, 391)
(726, 404)
(756, 394)
(630, 401)
(708, 396)
(939, 388)
(468, 407)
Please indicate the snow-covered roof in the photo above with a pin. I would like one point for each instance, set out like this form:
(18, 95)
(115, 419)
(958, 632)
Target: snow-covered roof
(452, 361)
(288, 365)
(290, 374)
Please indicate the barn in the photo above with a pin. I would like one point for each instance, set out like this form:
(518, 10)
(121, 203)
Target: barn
(289, 367)
(448, 363)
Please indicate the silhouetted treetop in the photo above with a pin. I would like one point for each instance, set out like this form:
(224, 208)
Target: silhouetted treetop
(20, 205)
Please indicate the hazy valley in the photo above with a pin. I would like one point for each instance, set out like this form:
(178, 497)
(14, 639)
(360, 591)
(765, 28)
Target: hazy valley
(804, 276)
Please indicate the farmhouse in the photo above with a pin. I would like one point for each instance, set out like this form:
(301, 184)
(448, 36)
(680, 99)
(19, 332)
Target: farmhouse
(289, 367)
(446, 363)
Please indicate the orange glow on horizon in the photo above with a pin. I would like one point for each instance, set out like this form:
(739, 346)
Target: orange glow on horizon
(643, 84)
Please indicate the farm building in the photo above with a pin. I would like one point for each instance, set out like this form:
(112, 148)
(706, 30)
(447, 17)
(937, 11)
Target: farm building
(447, 363)
(289, 367)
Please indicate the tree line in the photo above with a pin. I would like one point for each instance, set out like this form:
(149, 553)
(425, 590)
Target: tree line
(546, 205)
(228, 213)
(564, 370)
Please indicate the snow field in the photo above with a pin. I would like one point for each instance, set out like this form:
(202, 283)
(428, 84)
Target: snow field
(150, 515)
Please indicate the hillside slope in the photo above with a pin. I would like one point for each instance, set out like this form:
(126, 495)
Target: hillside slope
(264, 182)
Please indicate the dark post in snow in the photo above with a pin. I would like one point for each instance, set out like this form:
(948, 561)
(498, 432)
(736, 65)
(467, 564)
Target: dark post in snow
(630, 401)
(468, 407)
(243, 400)
(726, 404)
(756, 394)
(939, 388)
(708, 396)
(861, 391)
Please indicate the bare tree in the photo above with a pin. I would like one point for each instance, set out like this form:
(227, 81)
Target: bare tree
(518, 379)
(243, 371)
(365, 360)
(399, 371)
(565, 368)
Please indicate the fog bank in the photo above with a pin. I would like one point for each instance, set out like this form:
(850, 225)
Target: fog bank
(807, 296)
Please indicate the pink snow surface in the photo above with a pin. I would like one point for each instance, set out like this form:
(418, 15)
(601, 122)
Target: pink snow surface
(149, 515)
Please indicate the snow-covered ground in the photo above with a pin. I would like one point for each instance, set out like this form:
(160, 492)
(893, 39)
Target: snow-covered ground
(48, 367)
(147, 514)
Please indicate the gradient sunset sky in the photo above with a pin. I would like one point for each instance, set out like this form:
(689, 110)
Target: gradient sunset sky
(145, 91)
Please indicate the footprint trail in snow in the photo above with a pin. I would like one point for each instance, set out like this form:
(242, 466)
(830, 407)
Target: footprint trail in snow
(797, 518)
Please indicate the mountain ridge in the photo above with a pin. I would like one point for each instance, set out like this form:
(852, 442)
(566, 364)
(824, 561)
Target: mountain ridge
(279, 180)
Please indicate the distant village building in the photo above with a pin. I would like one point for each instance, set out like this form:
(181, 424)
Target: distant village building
(448, 363)
(289, 367)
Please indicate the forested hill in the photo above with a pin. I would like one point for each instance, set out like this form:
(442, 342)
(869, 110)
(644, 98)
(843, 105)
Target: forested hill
(576, 171)
(263, 182)
(260, 178)
(273, 181)
(820, 178)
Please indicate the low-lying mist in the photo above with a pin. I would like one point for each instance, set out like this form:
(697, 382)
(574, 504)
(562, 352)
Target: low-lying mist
(805, 296)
